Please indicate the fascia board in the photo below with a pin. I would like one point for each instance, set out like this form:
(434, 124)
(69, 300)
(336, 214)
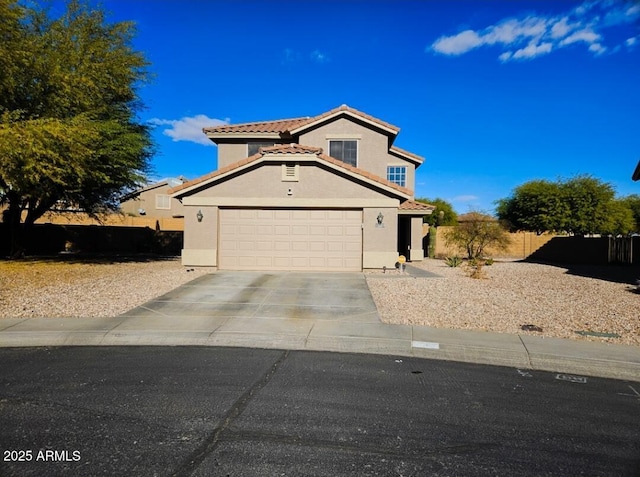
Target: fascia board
(289, 202)
(409, 158)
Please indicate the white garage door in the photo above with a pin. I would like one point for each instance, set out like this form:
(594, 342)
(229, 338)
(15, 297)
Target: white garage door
(285, 239)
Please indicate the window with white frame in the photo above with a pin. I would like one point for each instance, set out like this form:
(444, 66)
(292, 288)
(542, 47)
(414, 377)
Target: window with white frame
(346, 151)
(397, 175)
(254, 147)
(163, 201)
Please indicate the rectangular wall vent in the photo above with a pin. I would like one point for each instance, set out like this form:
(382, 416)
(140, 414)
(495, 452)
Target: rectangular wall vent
(290, 172)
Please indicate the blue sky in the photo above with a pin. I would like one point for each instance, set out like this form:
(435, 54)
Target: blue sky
(491, 93)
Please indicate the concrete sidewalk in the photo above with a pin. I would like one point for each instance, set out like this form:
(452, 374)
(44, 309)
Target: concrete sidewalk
(310, 312)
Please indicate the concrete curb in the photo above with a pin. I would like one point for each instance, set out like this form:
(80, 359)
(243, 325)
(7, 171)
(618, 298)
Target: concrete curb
(519, 351)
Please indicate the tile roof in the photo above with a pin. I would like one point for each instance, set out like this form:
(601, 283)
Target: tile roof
(285, 126)
(280, 126)
(368, 175)
(413, 205)
(291, 149)
(345, 108)
(402, 152)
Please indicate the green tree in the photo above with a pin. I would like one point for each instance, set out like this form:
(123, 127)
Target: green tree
(633, 203)
(69, 132)
(589, 201)
(581, 205)
(619, 219)
(443, 214)
(477, 233)
(536, 206)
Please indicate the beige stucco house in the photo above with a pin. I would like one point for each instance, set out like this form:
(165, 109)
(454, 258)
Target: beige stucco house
(329, 192)
(154, 200)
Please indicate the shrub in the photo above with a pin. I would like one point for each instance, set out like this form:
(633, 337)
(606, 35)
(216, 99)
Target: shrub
(476, 233)
(454, 261)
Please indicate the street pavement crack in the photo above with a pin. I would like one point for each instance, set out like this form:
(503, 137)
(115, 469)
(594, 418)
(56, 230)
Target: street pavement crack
(193, 461)
(526, 350)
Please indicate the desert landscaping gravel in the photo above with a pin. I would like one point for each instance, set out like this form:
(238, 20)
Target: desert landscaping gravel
(96, 288)
(558, 300)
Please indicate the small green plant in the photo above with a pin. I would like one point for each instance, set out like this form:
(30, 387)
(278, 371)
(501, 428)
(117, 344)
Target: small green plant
(454, 261)
(488, 262)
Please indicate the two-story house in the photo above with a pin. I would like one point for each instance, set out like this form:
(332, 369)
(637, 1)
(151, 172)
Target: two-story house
(329, 192)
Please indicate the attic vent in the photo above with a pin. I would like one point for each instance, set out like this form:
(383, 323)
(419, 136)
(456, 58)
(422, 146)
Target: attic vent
(290, 172)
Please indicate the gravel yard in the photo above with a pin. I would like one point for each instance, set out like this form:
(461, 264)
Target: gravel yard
(556, 299)
(73, 289)
(561, 301)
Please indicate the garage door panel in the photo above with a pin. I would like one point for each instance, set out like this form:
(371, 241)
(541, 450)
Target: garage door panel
(299, 246)
(281, 239)
(264, 214)
(247, 214)
(264, 262)
(280, 246)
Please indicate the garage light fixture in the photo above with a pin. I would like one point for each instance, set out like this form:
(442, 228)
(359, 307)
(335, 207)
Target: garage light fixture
(199, 216)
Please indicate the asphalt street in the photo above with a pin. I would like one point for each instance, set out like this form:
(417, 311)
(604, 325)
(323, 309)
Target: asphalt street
(202, 411)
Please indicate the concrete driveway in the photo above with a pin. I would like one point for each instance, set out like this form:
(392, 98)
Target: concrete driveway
(260, 308)
(287, 295)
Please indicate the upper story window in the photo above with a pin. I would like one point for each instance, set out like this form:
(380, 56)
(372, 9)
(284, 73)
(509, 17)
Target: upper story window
(163, 201)
(254, 147)
(346, 151)
(397, 175)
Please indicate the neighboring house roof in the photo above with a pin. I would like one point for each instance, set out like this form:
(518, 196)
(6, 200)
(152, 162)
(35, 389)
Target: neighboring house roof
(636, 173)
(288, 127)
(169, 181)
(290, 149)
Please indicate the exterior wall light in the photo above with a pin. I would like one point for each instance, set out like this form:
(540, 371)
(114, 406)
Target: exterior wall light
(199, 216)
(379, 220)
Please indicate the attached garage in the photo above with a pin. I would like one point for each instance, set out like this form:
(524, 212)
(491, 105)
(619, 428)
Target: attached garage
(290, 239)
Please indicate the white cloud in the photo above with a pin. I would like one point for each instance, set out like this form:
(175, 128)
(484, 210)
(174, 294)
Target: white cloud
(532, 50)
(587, 35)
(535, 35)
(189, 128)
(457, 44)
(513, 31)
(597, 48)
(289, 55)
(561, 28)
(319, 57)
(631, 42)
